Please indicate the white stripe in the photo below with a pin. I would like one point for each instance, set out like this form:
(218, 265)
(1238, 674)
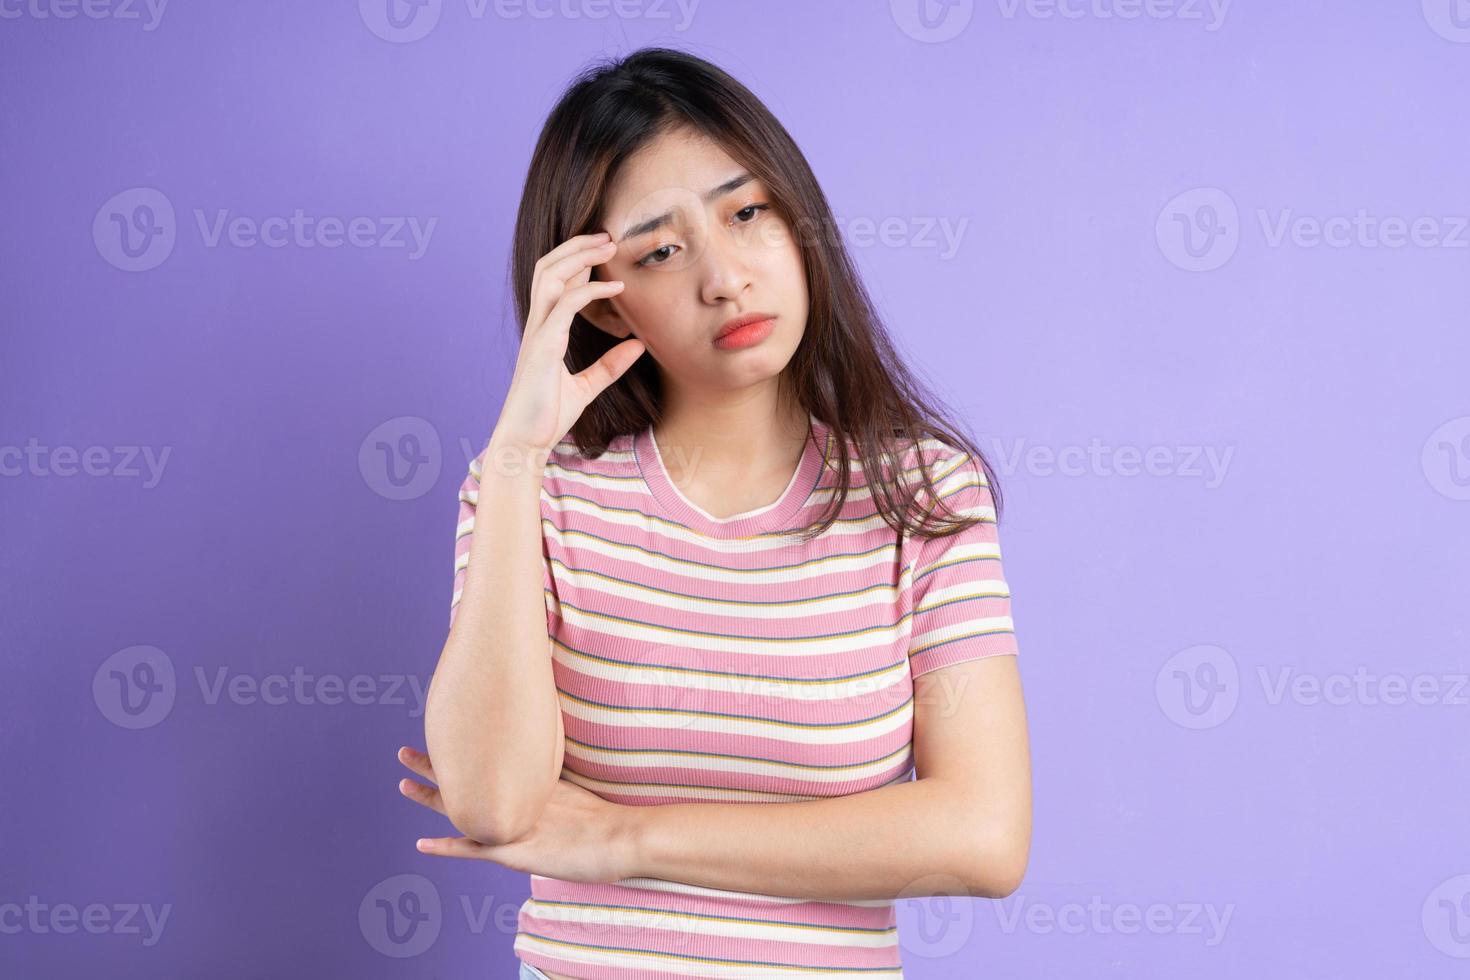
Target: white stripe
(643, 961)
(684, 888)
(963, 628)
(989, 587)
(583, 921)
(684, 716)
(745, 767)
(823, 690)
(692, 643)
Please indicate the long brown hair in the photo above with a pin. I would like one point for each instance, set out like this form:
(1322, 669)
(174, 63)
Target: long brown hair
(845, 371)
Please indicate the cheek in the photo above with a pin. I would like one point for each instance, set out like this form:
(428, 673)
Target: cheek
(651, 310)
(783, 251)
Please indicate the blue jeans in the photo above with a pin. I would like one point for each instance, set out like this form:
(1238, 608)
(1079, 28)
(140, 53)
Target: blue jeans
(529, 972)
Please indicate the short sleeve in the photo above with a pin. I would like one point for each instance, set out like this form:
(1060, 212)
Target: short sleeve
(464, 531)
(960, 600)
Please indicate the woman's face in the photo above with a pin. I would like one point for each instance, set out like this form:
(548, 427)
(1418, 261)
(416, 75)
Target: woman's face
(690, 264)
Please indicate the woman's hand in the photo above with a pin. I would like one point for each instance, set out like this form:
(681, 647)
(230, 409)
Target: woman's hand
(579, 837)
(544, 399)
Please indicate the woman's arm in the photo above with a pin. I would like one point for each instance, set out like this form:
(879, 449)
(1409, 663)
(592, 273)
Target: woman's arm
(492, 721)
(966, 817)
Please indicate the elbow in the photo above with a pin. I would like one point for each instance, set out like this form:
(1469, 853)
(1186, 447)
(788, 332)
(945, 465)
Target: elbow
(477, 818)
(488, 810)
(999, 866)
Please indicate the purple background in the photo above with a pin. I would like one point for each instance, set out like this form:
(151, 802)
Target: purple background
(1158, 612)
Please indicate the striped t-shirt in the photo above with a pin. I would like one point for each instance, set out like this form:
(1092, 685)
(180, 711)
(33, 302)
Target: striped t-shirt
(701, 659)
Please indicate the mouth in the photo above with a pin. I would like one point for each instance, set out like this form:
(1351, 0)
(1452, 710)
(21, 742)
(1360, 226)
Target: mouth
(746, 334)
(743, 320)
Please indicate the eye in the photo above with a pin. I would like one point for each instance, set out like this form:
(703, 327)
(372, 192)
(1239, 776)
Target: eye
(647, 260)
(752, 208)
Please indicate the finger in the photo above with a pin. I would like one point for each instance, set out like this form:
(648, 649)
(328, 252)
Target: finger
(554, 276)
(559, 321)
(422, 794)
(571, 246)
(417, 761)
(608, 368)
(455, 847)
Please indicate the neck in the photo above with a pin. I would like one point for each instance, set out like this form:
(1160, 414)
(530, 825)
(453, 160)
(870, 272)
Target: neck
(752, 434)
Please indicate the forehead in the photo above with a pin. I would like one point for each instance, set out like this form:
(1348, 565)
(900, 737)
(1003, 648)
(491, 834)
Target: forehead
(673, 170)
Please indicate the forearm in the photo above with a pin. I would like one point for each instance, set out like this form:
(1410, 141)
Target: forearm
(491, 716)
(871, 845)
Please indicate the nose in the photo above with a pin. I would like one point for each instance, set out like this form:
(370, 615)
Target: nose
(725, 268)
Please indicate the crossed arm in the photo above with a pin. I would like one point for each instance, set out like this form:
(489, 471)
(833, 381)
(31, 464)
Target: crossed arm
(963, 826)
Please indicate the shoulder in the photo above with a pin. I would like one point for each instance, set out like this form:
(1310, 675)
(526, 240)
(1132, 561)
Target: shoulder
(952, 469)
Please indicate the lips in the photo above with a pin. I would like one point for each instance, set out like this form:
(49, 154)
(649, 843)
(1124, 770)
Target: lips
(742, 320)
(746, 336)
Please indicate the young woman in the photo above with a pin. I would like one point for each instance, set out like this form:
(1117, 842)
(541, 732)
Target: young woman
(769, 572)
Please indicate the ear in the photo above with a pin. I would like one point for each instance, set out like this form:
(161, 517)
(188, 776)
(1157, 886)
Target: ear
(604, 315)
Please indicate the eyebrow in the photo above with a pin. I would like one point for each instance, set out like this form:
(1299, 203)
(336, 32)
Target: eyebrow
(652, 224)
